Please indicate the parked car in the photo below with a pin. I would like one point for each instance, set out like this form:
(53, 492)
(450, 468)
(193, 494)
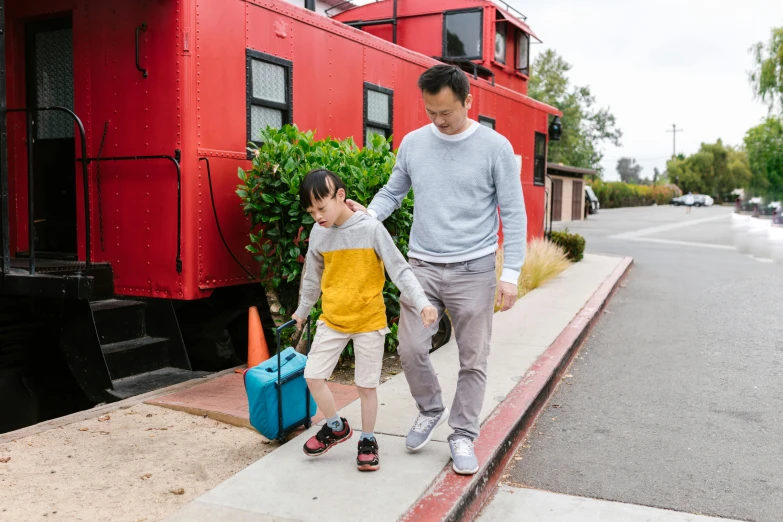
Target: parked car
(702, 200)
(699, 200)
(592, 200)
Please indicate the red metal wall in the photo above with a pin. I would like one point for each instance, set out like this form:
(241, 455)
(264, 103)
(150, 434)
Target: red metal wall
(330, 64)
(194, 99)
(420, 28)
(138, 200)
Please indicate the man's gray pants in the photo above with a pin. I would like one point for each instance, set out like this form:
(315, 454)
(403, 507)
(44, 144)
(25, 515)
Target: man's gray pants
(467, 291)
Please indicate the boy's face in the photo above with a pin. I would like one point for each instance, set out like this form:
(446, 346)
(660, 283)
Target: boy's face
(446, 111)
(326, 211)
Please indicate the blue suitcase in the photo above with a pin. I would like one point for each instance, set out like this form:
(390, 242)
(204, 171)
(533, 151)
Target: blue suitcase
(277, 394)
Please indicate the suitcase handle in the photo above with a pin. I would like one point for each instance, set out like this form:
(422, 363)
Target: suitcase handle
(288, 358)
(292, 322)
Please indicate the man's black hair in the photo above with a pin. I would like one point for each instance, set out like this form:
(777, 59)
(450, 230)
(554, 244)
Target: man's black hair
(319, 184)
(439, 76)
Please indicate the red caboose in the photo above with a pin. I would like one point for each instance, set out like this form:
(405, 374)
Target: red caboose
(113, 112)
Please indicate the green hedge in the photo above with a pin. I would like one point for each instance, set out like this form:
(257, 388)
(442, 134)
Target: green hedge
(269, 195)
(573, 244)
(616, 194)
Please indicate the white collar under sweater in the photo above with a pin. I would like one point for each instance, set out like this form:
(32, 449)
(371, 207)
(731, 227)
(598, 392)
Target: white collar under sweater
(455, 137)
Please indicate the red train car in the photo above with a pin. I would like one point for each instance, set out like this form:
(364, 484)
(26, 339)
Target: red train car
(115, 110)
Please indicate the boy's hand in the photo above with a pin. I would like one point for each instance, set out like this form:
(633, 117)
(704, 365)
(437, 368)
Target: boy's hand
(354, 206)
(298, 320)
(429, 315)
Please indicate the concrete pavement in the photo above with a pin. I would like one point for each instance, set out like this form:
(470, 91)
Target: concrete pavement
(288, 486)
(532, 505)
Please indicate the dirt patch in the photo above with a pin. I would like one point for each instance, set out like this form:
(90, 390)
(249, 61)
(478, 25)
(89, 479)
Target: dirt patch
(140, 464)
(344, 371)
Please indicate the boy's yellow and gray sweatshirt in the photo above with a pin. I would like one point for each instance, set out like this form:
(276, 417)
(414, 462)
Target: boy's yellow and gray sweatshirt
(346, 262)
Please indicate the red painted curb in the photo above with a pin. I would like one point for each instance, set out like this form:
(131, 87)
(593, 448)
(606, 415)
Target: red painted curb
(453, 497)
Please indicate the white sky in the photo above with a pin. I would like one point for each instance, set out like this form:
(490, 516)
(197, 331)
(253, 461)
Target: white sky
(659, 62)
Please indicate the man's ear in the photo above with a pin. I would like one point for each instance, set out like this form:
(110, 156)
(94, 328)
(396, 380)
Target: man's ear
(340, 195)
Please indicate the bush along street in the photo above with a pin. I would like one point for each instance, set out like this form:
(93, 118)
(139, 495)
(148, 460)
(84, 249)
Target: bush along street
(616, 194)
(573, 244)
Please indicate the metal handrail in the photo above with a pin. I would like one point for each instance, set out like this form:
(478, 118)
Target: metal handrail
(510, 8)
(328, 14)
(176, 160)
(30, 178)
(85, 161)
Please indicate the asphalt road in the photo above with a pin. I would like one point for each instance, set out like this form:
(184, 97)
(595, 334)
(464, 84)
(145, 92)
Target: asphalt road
(676, 399)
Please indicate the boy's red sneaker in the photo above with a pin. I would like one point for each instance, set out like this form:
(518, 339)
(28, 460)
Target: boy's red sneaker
(367, 460)
(320, 443)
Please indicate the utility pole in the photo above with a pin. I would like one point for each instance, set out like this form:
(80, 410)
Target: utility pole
(674, 132)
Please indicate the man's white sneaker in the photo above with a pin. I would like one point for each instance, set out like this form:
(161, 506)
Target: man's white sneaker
(421, 432)
(465, 461)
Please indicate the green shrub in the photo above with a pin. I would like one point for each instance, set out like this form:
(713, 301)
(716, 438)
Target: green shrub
(573, 244)
(280, 227)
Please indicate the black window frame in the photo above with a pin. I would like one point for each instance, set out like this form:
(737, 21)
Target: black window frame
(444, 47)
(388, 128)
(482, 118)
(526, 69)
(539, 161)
(287, 108)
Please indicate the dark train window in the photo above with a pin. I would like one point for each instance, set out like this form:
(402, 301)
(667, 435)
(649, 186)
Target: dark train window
(462, 32)
(269, 93)
(378, 111)
(539, 159)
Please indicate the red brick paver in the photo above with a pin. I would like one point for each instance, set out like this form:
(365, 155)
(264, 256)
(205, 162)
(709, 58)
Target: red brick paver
(224, 399)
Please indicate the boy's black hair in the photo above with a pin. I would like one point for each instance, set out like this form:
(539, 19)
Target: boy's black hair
(319, 184)
(439, 76)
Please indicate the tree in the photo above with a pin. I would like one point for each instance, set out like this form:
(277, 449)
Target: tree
(715, 169)
(629, 170)
(764, 146)
(585, 127)
(656, 176)
(767, 75)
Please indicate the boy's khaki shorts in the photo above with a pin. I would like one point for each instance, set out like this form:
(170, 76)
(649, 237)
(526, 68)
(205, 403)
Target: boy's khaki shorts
(328, 345)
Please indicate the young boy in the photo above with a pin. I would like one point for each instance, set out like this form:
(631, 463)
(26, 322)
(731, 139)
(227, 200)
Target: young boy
(346, 258)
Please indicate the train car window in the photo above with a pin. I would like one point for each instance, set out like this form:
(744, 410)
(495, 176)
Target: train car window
(487, 122)
(269, 93)
(462, 32)
(539, 159)
(378, 111)
(523, 53)
(500, 42)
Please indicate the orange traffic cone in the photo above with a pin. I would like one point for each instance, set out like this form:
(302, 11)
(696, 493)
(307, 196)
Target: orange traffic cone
(257, 350)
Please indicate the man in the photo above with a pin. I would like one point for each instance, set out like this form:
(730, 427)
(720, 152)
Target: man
(460, 173)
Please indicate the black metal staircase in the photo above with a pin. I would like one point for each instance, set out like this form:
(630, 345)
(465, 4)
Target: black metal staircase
(141, 348)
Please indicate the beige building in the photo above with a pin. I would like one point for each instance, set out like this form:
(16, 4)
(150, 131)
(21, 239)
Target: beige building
(565, 189)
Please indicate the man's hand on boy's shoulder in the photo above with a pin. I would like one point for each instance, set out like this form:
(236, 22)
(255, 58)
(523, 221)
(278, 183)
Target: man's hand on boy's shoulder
(354, 206)
(299, 320)
(429, 315)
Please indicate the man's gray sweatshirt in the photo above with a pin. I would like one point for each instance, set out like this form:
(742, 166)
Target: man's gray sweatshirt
(458, 182)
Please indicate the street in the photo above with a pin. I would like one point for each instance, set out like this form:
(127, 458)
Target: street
(675, 400)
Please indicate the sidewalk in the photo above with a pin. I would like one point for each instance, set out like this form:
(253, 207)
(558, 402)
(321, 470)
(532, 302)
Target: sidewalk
(531, 345)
